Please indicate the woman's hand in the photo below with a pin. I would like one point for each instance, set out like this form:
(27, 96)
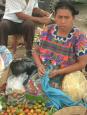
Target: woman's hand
(41, 70)
(53, 73)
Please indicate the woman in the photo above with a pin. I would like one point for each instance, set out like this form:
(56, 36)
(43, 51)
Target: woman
(61, 44)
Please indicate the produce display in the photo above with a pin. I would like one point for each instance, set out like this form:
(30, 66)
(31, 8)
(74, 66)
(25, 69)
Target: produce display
(25, 109)
(34, 105)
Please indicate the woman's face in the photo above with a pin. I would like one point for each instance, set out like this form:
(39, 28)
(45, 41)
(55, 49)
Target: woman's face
(64, 19)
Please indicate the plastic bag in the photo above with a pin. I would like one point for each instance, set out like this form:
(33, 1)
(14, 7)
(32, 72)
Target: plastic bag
(75, 85)
(57, 97)
(6, 58)
(1, 64)
(15, 84)
(34, 85)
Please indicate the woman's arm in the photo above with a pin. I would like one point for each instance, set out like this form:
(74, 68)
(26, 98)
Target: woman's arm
(81, 63)
(38, 62)
(35, 54)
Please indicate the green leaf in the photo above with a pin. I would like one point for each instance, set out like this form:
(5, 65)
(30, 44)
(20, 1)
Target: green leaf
(36, 98)
(2, 99)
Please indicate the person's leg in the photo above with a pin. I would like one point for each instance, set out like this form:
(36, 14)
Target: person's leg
(28, 30)
(7, 28)
(4, 29)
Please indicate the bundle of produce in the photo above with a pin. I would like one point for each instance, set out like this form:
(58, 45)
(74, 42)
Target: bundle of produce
(34, 105)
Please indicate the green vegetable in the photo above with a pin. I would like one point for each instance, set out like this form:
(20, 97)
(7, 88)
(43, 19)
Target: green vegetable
(36, 98)
(3, 101)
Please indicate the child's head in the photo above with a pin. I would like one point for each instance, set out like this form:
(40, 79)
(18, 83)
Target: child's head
(22, 66)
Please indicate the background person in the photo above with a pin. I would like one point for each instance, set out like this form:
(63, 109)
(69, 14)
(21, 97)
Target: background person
(18, 19)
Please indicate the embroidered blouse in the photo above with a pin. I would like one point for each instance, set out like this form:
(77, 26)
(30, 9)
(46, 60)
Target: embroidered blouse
(61, 51)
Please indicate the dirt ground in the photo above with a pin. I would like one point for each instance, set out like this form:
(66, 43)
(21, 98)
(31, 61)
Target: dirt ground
(81, 19)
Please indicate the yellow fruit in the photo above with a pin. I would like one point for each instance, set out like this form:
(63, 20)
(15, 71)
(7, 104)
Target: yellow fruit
(35, 107)
(8, 110)
(31, 111)
(38, 110)
(39, 106)
(35, 114)
(46, 113)
(42, 112)
(43, 104)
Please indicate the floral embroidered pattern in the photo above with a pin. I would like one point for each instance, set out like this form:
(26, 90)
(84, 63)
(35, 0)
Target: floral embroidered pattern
(61, 51)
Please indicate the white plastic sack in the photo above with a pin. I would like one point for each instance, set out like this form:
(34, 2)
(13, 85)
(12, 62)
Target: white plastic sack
(1, 64)
(16, 83)
(75, 85)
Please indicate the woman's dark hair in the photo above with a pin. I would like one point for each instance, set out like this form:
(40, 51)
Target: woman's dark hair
(66, 5)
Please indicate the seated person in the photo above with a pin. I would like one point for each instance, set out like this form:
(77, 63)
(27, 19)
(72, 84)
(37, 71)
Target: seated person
(18, 19)
(61, 44)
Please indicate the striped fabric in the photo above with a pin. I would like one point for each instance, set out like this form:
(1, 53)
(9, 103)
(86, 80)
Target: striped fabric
(61, 51)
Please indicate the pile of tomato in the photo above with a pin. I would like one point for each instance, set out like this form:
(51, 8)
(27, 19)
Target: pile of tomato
(26, 109)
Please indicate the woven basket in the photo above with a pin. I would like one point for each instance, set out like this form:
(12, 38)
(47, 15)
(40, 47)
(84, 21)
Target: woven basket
(74, 110)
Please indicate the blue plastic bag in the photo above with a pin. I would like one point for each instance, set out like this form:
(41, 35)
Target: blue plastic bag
(57, 97)
(6, 56)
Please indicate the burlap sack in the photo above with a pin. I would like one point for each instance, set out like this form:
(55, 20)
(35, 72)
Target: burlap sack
(75, 85)
(75, 110)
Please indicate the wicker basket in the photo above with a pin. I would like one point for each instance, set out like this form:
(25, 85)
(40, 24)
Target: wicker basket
(74, 110)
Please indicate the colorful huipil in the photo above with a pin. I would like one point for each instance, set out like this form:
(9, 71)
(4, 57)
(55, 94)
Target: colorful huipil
(61, 51)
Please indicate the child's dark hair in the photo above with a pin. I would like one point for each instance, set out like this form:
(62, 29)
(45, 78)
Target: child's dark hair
(66, 5)
(22, 66)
